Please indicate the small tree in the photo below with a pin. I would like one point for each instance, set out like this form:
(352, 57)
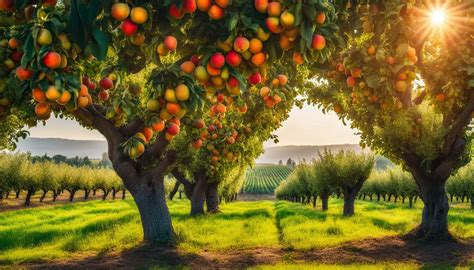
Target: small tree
(347, 171)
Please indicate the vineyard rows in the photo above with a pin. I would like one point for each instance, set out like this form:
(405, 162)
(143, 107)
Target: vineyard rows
(264, 179)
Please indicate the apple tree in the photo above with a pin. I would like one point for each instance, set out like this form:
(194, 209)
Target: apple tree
(404, 79)
(139, 72)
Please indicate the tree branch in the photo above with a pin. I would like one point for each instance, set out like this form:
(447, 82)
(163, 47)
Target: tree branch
(419, 99)
(167, 160)
(155, 150)
(188, 186)
(461, 122)
(413, 162)
(133, 127)
(124, 166)
(444, 169)
(181, 178)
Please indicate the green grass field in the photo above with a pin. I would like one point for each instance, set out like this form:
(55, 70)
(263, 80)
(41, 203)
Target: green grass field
(98, 227)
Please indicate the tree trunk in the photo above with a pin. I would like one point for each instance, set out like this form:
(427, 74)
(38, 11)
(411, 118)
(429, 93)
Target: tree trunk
(378, 197)
(44, 195)
(106, 193)
(28, 197)
(151, 202)
(94, 191)
(72, 193)
(349, 199)
(114, 192)
(55, 195)
(389, 197)
(370, 197)
(175, 189)
(86, 194)
(324, 199)
(212, 198)
(434, 222)
(451, 197)
(7, 195)
(198, 195)
(410, 200)
(17, 194)
(180, 195)
(315, 198)
(124, 191)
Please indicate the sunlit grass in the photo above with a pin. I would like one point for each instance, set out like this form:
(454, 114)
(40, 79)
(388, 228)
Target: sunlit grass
(305, 228)
(240, 225)
(385, 266)
(99, 227)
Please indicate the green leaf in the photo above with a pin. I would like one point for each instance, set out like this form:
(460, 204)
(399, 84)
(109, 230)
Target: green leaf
(29, 48)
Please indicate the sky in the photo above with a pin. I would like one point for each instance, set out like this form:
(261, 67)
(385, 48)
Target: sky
(307, 126)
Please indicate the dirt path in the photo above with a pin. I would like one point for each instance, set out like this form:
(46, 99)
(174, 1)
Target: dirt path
(388, 249)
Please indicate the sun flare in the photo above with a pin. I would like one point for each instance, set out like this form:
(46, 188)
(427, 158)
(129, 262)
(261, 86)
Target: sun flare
(438, 17)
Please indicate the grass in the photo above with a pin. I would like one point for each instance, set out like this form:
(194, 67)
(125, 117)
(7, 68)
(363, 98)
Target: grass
(303, 228)
(99, 227)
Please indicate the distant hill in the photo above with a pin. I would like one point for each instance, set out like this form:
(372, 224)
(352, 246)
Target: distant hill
(94, 150)
(68, 148)
(299, 153)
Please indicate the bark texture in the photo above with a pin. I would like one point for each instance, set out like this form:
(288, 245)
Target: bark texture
(212, 198)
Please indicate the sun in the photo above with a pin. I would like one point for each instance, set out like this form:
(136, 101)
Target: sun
(438, 17)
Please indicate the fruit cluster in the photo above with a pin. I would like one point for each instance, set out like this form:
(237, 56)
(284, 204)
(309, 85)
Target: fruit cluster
(130, 20)
(214, 76)
(215, 9)
(283, 22)
(272, 96)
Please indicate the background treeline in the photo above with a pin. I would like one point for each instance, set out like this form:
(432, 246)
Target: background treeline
(22, 173)
(75, 161)
(342, 173)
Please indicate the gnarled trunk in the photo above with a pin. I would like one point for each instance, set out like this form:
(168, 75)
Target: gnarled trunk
(45, 191)
(55, 195)
(212, 198)
(198, 195)
(349, 199)
(150, 198)
(106, 193)
(174, 190)
(86, 194)
(434, 222)
(28, 197)
(17, 193)
(124, 191)
(315, 198)
(72, 193)
(114, 193)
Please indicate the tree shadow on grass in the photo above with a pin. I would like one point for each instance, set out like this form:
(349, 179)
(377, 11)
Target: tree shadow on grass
(432, 255)
(445, 254)
(150, 257)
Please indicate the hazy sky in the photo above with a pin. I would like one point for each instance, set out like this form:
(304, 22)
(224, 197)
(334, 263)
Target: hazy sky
(308, 126)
